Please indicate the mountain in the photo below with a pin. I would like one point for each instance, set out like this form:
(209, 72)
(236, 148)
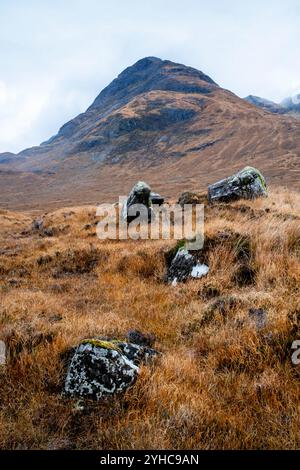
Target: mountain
(159, 121)
(266, 104)
(292, 104)
(289, 105)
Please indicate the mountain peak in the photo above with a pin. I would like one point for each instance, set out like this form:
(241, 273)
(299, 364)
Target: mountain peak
(146, 62)
(152, 73)
(159, 121)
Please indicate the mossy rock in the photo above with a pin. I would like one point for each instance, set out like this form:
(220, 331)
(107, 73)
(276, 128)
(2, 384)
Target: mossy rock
(248, 183)
(99, 343)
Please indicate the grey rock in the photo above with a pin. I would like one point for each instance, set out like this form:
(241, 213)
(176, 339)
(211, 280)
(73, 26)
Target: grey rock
(100, 369)
(140, 194)
(49, 232)
(185, 266)
(137, 353)
(136, 337)
(246, 184)
(38, 224)
(156, 199)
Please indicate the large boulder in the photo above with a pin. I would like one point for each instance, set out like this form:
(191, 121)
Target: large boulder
(140, 194)
(246, 184)
(185, 266)
(100, 369)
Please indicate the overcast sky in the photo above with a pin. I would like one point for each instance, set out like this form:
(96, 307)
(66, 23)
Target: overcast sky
(56, 56)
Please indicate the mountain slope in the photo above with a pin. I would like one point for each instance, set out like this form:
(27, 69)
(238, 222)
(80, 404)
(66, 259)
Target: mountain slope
(159, 121)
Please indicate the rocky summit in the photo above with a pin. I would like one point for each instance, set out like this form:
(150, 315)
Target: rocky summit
(159, 121)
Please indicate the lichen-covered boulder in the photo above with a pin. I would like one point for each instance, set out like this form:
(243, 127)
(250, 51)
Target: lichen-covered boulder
(136, 352)
(100, 369)
(248, 183)
(184, 266)
(140, 194)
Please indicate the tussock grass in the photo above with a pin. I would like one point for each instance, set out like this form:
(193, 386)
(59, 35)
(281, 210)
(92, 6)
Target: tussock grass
(221, 383)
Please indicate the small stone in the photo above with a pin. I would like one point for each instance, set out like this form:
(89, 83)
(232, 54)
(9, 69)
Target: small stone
(136, 337)
(185, 266)
(156, 199)
(49, 232)
(14, 282)
(55, 318)
(38, 224)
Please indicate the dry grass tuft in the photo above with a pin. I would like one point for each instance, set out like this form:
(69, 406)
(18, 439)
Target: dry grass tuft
(222, 381)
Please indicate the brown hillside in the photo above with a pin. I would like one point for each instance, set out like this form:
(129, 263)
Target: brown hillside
(222, 382)
(162, 122)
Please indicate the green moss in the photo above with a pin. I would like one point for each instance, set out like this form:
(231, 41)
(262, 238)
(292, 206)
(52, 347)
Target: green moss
(251, 169)
(180, 245)
(99, 343)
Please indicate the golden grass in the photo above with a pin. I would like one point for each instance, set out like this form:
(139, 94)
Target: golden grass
(219, 384)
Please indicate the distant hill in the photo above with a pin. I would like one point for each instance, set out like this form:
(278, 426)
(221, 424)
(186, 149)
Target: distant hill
(159, 121)
(287, 106)
(266, 104)
(292, 104)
